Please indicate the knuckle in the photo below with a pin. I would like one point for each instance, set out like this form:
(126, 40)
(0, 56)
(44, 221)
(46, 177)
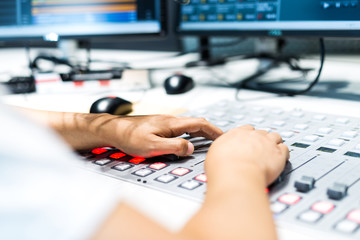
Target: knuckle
(262, 132)
(248, 126)
(202, 120)
(275, 134)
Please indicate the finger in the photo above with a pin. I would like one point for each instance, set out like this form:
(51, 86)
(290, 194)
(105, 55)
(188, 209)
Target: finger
(247, 127)
(198, 126)
(262, 132)
(197, 134)
(285, 151)
(275, 137)
(177, 146)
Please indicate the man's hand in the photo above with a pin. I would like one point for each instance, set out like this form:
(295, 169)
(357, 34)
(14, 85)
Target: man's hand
(145, 136)
(149, 136)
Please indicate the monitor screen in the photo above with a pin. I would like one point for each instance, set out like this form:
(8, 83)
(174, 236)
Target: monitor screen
(50, 19)
(271, 17)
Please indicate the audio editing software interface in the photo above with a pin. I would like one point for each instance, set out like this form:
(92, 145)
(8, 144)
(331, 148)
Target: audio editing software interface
(265, 12)
(35, 17)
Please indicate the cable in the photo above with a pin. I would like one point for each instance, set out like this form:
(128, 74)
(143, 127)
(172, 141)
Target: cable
(57, 61)
(291, 92)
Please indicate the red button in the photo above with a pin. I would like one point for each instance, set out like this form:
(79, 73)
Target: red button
(354, 215)
(117, 155)
(202, 178)
(323, 207)
(180, 171)
(137, 160)
(158, 165)
(99, 150)
(289, 198)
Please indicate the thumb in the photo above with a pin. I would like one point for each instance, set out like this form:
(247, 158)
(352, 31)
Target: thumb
(177, 146)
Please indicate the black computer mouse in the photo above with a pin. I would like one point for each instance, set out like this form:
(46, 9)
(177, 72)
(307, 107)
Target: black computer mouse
(178, 83)
(111, 105)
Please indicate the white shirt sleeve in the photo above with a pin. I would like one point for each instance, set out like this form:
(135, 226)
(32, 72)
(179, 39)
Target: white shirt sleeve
(42, 194)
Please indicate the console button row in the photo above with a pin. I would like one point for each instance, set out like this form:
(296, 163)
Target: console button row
(166, 178)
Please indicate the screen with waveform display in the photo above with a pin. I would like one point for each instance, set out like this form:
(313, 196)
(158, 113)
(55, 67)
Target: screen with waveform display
(72, 18)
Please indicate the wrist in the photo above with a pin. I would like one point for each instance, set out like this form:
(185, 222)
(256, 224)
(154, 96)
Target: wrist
(82, 130)
(237, 178)
(97, 127)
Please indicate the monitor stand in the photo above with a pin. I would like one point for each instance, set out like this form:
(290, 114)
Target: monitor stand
(269, 51)
(68, 50)
(206, 59)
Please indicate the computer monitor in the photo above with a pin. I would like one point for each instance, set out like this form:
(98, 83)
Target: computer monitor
(270, 17)
(70, 22)
(79, 19)
(274, 18)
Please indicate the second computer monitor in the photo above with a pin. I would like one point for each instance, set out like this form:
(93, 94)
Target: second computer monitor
(270, 17)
